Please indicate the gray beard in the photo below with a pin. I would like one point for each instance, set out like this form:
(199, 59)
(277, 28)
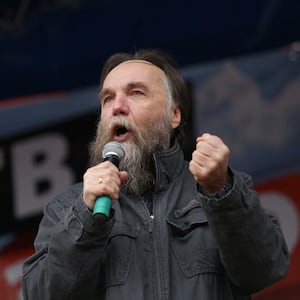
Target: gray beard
(138, 160)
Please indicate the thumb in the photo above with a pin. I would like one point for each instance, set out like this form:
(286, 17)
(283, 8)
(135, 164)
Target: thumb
(123, 176)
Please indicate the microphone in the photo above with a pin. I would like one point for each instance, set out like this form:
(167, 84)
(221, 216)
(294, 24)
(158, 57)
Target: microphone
(113, 152)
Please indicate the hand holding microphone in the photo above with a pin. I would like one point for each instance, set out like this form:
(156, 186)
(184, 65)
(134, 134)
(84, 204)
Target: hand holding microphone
(102, 182)
(112, 152)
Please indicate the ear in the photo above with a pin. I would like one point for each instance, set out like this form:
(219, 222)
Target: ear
(176, 117)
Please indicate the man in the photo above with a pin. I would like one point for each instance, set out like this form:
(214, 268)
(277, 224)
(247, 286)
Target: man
(176, 230)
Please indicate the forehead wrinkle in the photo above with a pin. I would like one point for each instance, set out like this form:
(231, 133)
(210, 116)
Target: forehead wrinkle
(131, 84)
(140, 61)
(161, 79)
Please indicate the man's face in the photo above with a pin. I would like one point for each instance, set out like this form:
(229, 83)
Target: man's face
(135, 90)
(136, 113)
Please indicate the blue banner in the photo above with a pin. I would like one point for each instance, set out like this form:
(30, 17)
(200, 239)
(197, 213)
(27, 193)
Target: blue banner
(253, 103)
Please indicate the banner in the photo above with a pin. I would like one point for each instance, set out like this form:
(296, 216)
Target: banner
(252, 103)
(43, 149)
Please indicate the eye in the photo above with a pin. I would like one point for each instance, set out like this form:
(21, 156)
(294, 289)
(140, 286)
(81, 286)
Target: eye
(107, 99)
(136, 92)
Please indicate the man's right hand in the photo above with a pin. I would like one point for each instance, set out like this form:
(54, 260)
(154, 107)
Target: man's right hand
(102, 179)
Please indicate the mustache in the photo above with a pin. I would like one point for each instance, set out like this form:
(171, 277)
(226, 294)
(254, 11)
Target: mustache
(118, 122)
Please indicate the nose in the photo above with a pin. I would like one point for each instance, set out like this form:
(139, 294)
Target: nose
(120, 105)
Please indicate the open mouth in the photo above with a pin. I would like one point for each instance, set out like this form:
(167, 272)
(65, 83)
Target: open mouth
(120, 130)
(121, 133)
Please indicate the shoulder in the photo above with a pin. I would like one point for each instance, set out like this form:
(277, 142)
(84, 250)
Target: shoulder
(65, 199)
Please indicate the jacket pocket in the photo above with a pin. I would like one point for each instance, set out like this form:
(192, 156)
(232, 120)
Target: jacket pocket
(119, 255)
(192, 242)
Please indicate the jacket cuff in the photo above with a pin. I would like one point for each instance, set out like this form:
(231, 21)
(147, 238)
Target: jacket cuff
(223, 192)
(87, 220)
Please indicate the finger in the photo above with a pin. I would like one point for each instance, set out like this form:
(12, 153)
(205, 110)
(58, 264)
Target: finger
(202, 166)
(213, 147)
(199, 157)
(110, 189)
(199, 172)
(212, 140)
(203, 137)
(204, 148)
(93, 191)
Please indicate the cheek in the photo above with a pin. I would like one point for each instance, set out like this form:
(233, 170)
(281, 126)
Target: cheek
(147, 120)
(105, 116)
(140, 116)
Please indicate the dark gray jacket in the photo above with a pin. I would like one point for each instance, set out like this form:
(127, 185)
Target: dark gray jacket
(193, 247)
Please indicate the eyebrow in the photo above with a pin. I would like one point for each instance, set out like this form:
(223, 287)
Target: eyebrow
(103, 92)
(137, 84)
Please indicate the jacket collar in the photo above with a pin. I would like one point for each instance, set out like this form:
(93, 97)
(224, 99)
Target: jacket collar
(168, 165)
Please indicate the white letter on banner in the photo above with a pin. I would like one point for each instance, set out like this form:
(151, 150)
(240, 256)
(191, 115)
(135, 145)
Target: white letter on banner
(283, 209)
(39, 172)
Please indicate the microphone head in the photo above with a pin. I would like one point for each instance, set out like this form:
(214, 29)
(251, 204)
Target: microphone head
(113, 148)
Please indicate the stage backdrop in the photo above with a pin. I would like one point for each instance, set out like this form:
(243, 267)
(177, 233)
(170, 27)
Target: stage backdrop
(251, 102)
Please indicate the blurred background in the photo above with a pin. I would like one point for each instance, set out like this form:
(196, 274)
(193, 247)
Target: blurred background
(241, 60)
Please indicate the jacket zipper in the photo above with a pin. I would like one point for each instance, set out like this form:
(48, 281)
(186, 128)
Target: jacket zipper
(157, 263)
(155, 238)
(151, 221)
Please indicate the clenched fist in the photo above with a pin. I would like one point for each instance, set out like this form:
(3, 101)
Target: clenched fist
(209, 162)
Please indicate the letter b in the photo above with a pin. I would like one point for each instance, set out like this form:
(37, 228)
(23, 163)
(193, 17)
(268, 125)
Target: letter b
(39, 172)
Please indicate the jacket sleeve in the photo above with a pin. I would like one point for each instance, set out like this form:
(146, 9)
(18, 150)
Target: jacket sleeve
(252, 247)
(69, 248)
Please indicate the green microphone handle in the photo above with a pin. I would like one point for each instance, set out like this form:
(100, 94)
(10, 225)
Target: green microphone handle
(102, 204)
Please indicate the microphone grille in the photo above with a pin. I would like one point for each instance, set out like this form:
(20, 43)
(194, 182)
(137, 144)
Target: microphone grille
(113, 148)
